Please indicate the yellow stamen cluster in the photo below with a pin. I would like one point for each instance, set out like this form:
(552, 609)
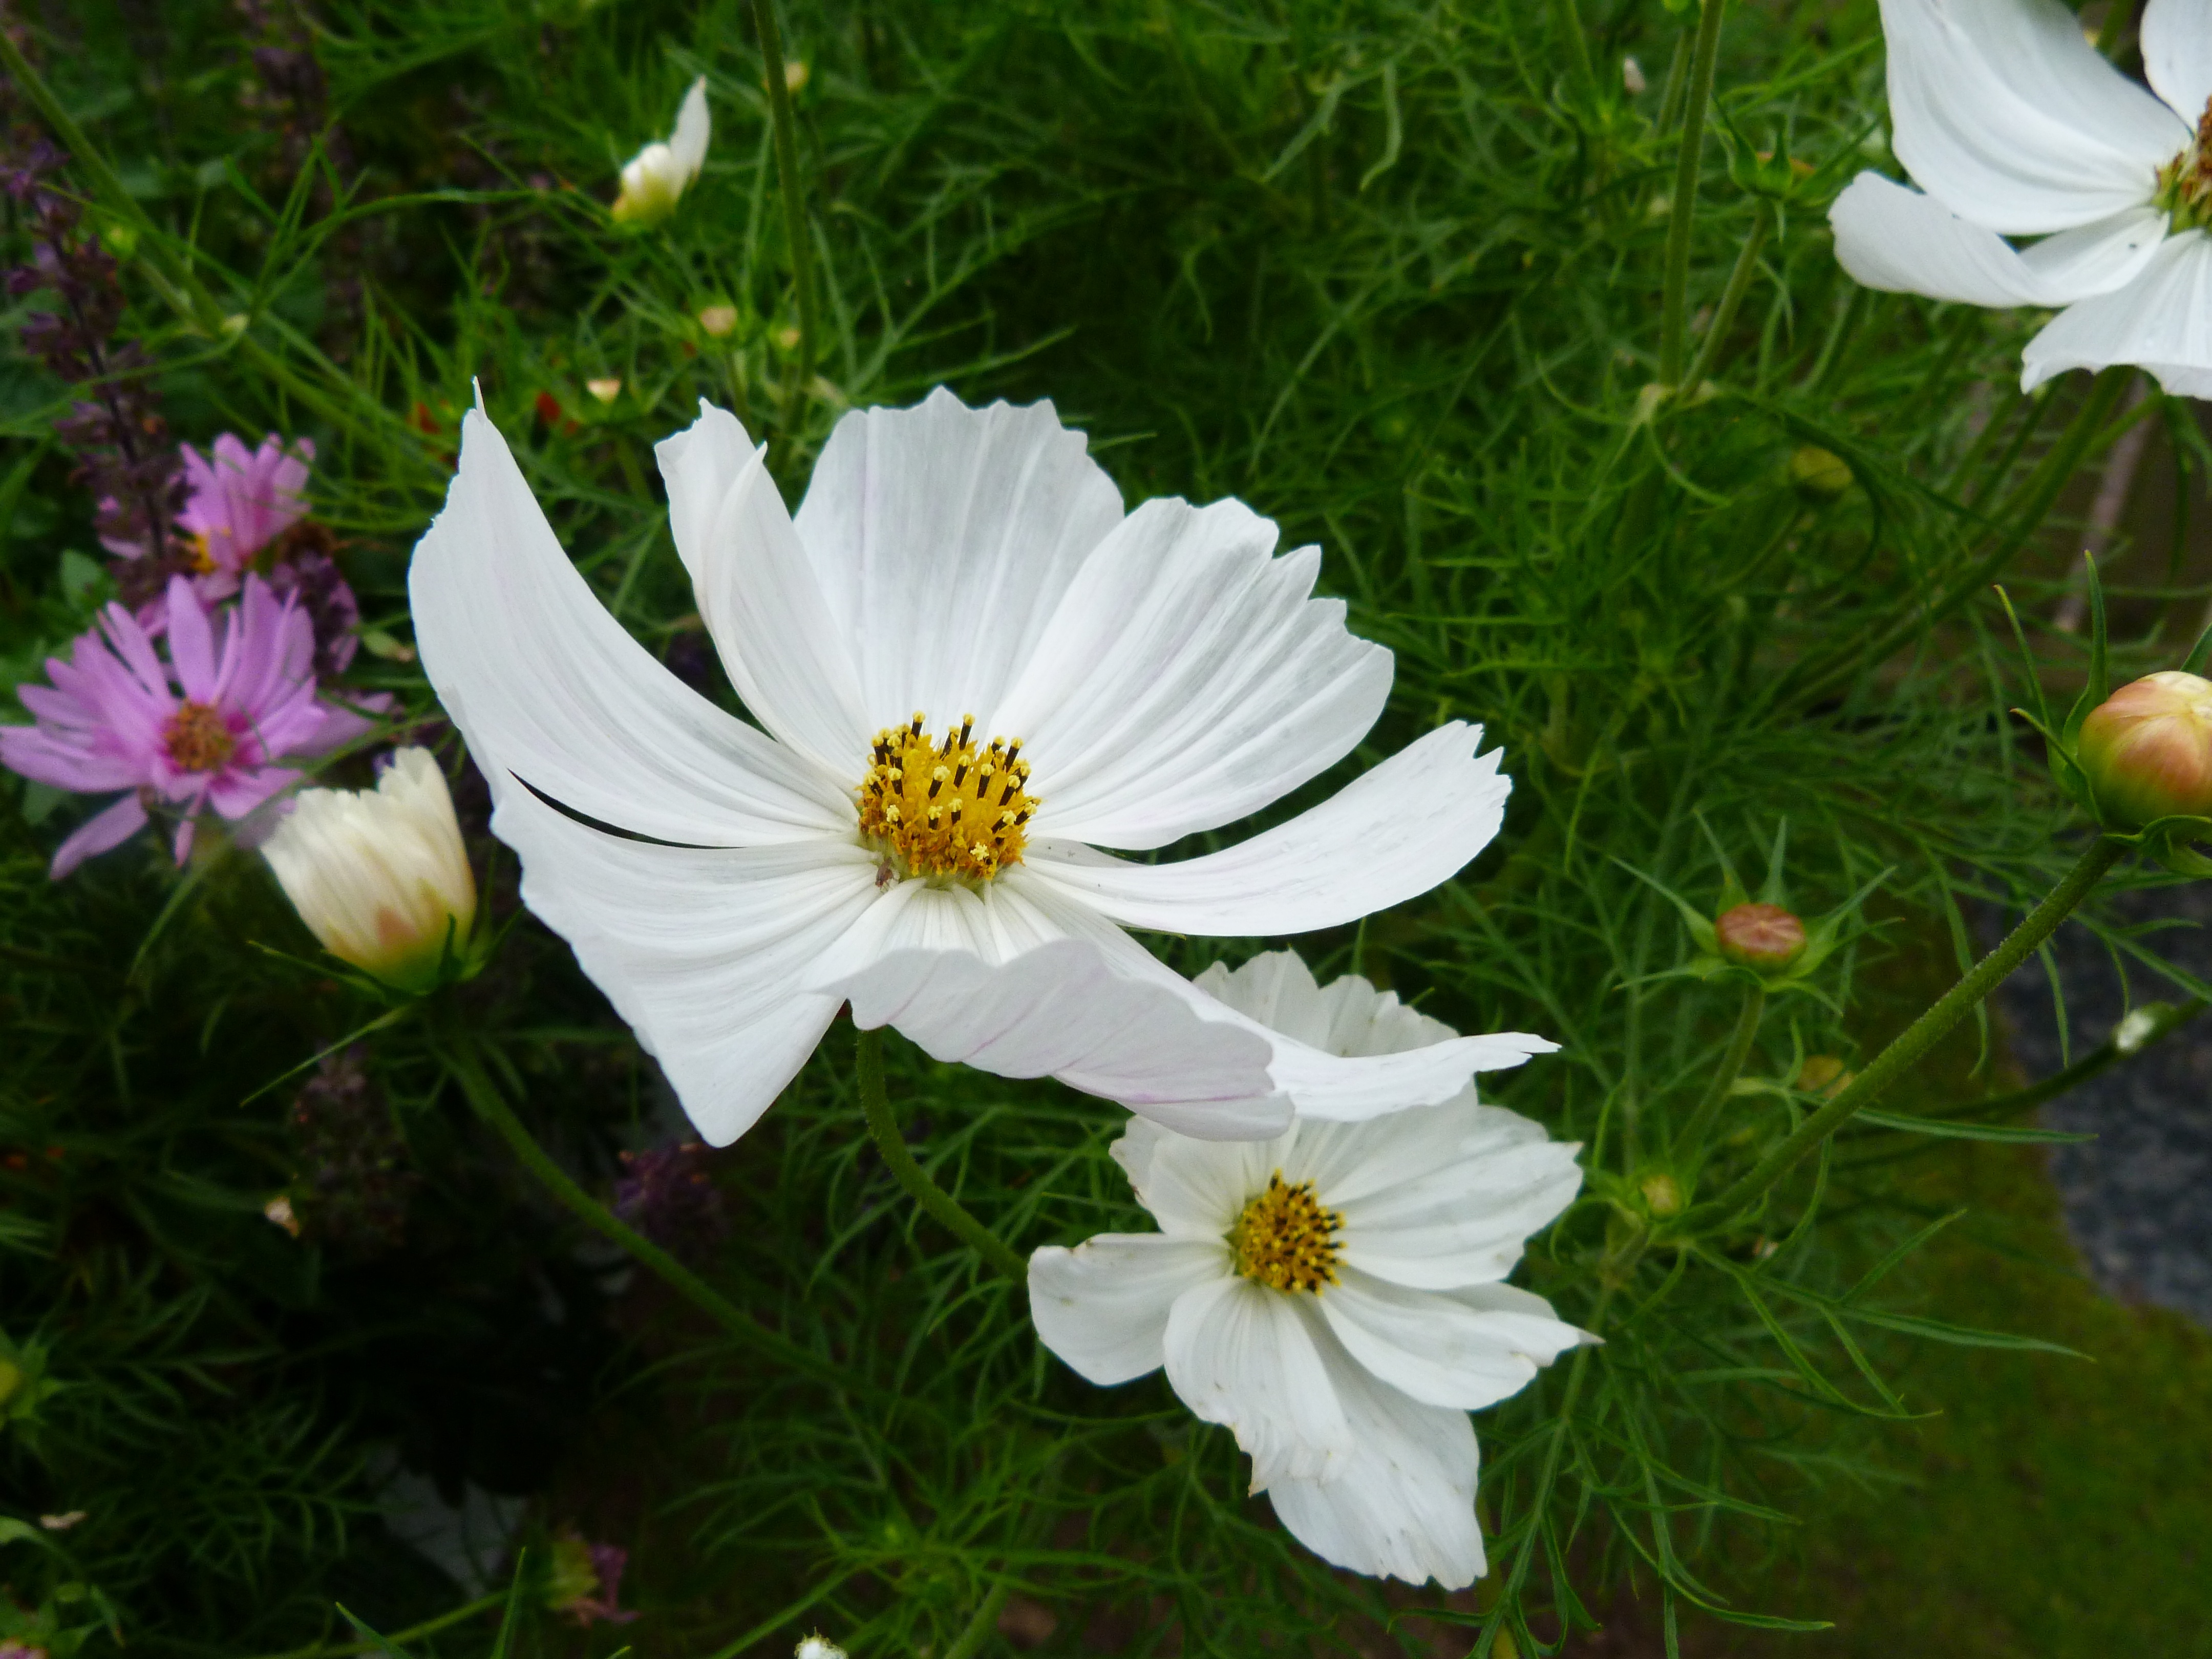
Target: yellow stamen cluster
(197, 738)
(1286, 1239)
(197, 559)
(945, 809)
(2184, 183)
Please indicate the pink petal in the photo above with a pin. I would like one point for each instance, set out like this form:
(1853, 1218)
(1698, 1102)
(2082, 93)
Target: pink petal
(110, 827)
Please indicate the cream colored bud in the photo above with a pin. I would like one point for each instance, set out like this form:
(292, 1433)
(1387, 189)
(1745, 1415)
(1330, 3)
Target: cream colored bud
(2148, 749)
(607, 390)
(1763, 936)
(718, 320)
(655, 178)
(380, 875)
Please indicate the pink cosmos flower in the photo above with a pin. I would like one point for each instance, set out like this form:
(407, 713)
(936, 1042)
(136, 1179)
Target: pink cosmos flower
(241, 502)
(243, 699)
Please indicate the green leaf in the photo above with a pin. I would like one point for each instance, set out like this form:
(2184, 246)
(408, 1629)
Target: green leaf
(2016, 1134)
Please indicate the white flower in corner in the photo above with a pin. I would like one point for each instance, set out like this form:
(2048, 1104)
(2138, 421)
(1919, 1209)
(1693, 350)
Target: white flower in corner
(818, 1647)
(380, 875)
(1335, 1296)
(657, 176)
(2013, 126)
(973, 669)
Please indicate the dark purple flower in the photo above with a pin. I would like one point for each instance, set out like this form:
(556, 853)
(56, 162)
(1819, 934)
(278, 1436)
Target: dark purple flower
(665, 1193)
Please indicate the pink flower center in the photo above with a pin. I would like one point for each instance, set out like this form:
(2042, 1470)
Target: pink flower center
(198, 738)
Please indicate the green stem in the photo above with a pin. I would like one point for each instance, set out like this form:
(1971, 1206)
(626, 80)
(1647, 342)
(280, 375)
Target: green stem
(876, 1103)
(1569, 23)
(2118, 16)
(801, 373)
(1916, 1040)
(1674, 340)
(970, 1641)
(456, 1048)
(2098, 1059)
(1701, 1120)
(1739, 284)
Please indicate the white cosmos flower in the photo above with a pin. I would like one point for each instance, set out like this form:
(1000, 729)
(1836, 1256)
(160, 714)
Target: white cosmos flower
(657, 176)
(1335, 1296)
(2012, 124)
(1159, 672)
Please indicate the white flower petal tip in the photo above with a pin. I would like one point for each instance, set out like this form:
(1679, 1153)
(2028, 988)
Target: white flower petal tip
(1333, 1296)
(1062, 1011)
(655, 178)
(1901, 242)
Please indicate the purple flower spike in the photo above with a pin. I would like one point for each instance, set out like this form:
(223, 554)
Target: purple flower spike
(206, 729)
(665, 1193)
(240, 501)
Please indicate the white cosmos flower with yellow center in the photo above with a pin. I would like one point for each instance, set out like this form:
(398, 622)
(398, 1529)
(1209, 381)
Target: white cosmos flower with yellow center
(1335, 1296)
(2013, 126)
(971, 670)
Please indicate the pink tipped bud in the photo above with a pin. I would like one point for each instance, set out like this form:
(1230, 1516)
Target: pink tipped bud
(1762, 936)
(2148, 749)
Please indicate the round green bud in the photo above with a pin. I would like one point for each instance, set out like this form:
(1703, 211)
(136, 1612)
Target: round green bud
(2148, 749)
(1819, 475)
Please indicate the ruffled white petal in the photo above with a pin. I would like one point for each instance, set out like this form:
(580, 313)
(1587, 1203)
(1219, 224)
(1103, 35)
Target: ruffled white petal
(1248, 1357)
(705, 951)
(2004, 112)
(1402, 1505)
(758, 596)
(1103, 1306)
(1901, 242)
(1466, 1220)
(687, 146)
(1060, 1010)
(1347, 1017)
(545, 683)
(1187, 678)
(1387, 836)
(1440, 1349)
(1195, 1189)
(2160, 322)
(2177, 50)
(943, 537)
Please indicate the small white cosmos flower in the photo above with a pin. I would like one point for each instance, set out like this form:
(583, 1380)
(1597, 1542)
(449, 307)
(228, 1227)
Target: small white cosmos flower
(818, 1647)
(1335, 1296)
(973, 669)
(380, 876)
(655, 178)
(2013, 124)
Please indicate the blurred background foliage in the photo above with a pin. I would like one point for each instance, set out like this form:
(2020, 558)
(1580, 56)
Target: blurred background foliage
(1392, 273)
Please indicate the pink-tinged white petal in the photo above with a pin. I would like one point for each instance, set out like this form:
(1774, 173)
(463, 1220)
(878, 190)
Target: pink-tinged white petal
(1248, 1358)
(1103, 1306)
(1062, 1011)
(1388, 835)
(2161, 322)
(1443, 1350)
(108, 827)
(2176, 51)
(759, 596)
(943, 537)
(1901, 242)
(1187, 679)
(1402, 1504)
(2002, 111)
(545, 684)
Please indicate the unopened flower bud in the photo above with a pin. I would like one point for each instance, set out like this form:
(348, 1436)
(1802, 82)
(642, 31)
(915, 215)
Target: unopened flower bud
(818, 1647)
(380, 876)
(1662, 1192)
(2148, 749)
(1819, 475)
(655, 178)
(1762, 936)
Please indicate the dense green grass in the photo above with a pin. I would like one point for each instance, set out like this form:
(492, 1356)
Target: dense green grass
(1394, 274)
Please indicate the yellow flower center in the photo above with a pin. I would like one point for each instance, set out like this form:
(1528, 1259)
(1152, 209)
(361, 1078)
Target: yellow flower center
(2184, 183)
(197, 738)
(944, 809)
(1286, 1239)
(197, 559)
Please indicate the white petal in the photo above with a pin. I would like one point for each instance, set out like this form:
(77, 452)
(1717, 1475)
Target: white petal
(1196, 1188)
(1388, 836)
(707, 952)
(1440, 1349)
(545, 683)
(2177, 49)
(1901, 241)
(1245, 1355)
(758, 596)
(1060, 1010)
(2006, 113)
(1103, 1306)
(2161, 322)
(687, 146)
(943, 537)
(1187, 679)
(1402, 1506)
(1464, 1222)
(1350, 1017)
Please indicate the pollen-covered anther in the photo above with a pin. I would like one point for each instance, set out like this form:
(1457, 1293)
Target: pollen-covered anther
(1285, 1238)
(2184, 183)
(197, 738)
(945, 808)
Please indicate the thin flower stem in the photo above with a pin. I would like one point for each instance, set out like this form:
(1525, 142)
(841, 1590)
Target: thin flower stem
(483, 1095)
(1701, 1120)
(801, 373)
(384, 1645)
(980, 1628)
(2097, 1061)
(875, 1101)
(1915, 1041)
(1739, 284)
(1674, 340)
(1569, 23)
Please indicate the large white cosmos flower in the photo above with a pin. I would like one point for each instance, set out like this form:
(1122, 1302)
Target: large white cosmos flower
(2013, 126)
(1336, 1295)
(973, 670)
